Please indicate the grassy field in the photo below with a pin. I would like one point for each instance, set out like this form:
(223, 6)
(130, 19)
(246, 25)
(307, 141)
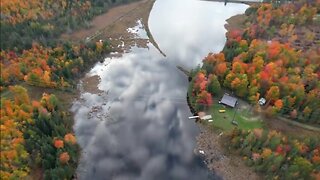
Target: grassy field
(223, 120)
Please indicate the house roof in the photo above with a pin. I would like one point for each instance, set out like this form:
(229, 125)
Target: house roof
(229, 100)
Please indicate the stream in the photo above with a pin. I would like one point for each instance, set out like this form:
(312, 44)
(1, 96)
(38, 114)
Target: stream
(137, 127)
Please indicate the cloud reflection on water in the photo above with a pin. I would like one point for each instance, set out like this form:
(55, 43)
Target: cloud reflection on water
(140, 128)
(186, 30)
(151, 137)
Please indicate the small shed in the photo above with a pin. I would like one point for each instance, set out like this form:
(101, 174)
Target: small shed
(262, 101)
(229, 100)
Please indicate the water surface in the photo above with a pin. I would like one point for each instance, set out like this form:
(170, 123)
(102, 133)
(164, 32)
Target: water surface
(138, 128)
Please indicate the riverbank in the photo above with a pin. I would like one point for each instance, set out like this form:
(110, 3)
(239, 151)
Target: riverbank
(113, 26)
(51, 162)
(208, 141)
(218, 159)
(256, 147)
(228, 165)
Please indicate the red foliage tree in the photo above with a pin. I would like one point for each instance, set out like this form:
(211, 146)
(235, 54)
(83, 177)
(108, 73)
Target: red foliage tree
(64, 157)
(58, 143)
(204, 98)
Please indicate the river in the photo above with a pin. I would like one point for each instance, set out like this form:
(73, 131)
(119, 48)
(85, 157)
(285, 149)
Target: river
(137, 127)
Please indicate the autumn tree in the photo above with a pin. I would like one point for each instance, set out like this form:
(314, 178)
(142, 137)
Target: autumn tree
(70, 138)
(64, 157)
(254, 65)
(214, 87)
(200, 83)
(204, 100)
(278, 104)
(273, 93)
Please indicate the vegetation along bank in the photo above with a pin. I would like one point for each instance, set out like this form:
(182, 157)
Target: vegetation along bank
(272, 52)
(37, 69)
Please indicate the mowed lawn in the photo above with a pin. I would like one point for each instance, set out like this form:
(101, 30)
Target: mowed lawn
(223, 120)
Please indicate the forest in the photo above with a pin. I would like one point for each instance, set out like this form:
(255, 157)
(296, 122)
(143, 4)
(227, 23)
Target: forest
(273, 57)
(41, 21)
(275, 155)
(276, 56)
(36, 134)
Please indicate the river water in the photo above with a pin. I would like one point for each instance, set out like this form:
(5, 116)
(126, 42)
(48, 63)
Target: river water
(138, 127)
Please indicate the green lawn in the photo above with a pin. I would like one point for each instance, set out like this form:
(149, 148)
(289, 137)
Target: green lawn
(223, 120)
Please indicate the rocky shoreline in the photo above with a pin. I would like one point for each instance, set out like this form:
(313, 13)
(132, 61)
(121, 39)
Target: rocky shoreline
(210, 141)
(217, 157)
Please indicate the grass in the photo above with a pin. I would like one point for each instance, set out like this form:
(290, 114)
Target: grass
(223, 120)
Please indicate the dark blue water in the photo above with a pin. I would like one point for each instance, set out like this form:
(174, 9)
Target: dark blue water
(138, 127)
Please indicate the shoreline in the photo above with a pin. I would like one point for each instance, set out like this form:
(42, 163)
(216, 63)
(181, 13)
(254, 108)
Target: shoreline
(210, 141)
(217, 160)
(114, 30)
(116, 33)
(102, 21)
(222, 157)
(113, 24)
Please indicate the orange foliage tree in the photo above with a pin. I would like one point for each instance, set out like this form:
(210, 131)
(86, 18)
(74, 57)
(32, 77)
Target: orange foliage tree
(64, 157)
(23, 133)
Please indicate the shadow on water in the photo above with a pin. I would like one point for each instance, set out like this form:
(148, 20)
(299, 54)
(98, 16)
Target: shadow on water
(139, 128)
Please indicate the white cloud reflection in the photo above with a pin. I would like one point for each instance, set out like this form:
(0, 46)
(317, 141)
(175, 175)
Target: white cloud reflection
(189, 29)
(140, 129)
